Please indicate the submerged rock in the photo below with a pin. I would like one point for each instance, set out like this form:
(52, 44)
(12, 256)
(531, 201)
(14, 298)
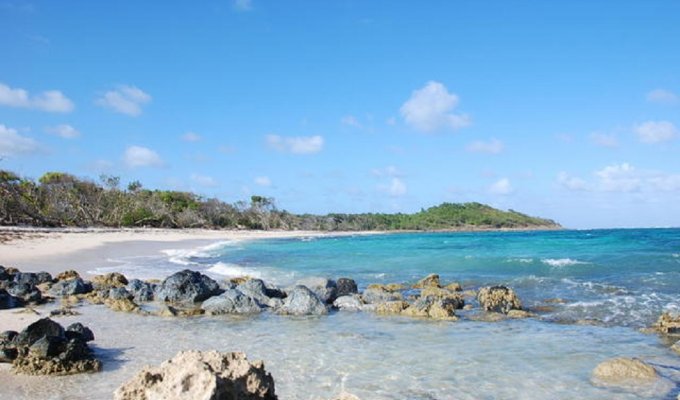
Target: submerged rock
(433, 307)
(349, 303)
(431, 280)
(231, 301)
(391, 307)
(201, 375)
(302, 301)
(187, 287)
(376, 295)
(499, 299)
(624, 372)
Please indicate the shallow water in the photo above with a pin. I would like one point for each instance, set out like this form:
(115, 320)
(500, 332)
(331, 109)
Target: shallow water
(621, 279)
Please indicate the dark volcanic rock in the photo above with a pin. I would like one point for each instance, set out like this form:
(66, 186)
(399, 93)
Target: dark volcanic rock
(25, 291)
(8, 301)
(325, 289)
(70, 287)
(256, 289)
(142, 291)
(187, 287)
(345, 287)
(78, 330)
(120, 293)
(38, 329)
(231, 301)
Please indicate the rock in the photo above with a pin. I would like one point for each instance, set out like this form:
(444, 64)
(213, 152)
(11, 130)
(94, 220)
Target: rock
(454, 287)
(3, 273)
(109, 281)
(142, 291)
(433, 307)
(256, 289)
(69, 287)
(231, 301)
(124, 305)
(119, 293)
(67, 275)
(390, 287)
(624, 371)
(38, 329)
(325, 289)
(498, 299)
(676, 347)
(668, 324)
(187, 287)
(27, 292)
(519, 314)
(78, 330)
(345, 286)
(349, 303)
(201, 375)
(441, 293)
(374, 295)
(8, 301)
(48, 347)
(302, 301)
(32, 279)
(64, 312)
(431, 280)
(170, 311)
(8, 354)
(391, 307)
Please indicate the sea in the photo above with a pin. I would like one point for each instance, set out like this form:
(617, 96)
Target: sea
(594, 292)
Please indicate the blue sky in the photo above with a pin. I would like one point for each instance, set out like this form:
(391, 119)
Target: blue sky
(567, 110)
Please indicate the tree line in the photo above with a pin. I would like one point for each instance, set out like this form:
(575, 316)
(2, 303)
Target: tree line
(59, 199)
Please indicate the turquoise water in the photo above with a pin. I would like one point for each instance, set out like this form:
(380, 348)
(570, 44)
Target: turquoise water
(618, 280)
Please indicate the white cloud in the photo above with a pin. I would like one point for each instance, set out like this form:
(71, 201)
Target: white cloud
(431, 108)
(263, 181)
(191, 137)
(656, 131)
(126, 100)
(389, 171)
(662, 96)
(137, 156)
(571, 182)
(351, 120)
(206, 181)
(295, 145)
(501, 186)
(50, 101)
(619, 178)
(13, 144)
(243, 5)
(64, 131)
(395, 188)
(493, 146)
(604, 139)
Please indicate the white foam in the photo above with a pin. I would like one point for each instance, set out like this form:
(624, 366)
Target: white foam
(183, 256)
(561, 262)
(520, 260)
(233, 270)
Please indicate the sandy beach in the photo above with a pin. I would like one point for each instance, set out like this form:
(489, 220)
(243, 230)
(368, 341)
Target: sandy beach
(54, 250)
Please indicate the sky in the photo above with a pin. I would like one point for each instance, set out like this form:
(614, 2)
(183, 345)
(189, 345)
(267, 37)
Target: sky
(568, 110)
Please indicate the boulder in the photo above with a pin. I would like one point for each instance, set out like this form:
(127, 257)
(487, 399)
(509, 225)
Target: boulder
(201, 375)
(38, 329)
(668, 324)
(187, 287)
(499, 299)
(32, 279)
(256, 289)
(78, 330)
(374, 295)
(345, 286)
(27, 292)
(231, 301)
(119, 293)
(431, 280)
(624, 371)
(349, 303)
(325, 289)
(302, 301)
(391, 307)
(443, 293)
(66, 275)
(70, 287)
(8, 301)
(142, 291)
(454, 287)
(433, 307)
(109, 281)
(3, 273)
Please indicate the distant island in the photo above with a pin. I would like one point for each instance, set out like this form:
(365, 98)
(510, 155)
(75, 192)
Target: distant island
(62, 200)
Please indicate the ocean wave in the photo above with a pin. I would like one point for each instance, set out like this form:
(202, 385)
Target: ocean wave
(520, 260)
(233, 270)
(561, 262)
(184, 256)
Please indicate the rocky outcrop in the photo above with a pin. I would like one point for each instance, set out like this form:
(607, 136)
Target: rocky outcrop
(431, 280)
(46, 348)
(66, 275)
(391, 307)
(70, 287)
(258, 290)
(349, 303)
(232, 301)
(624, 372)
(201, 375)
(109, 281)
(325, 289)
(345, 287)
(668, 324)
(376, 295)
(500, 299)
(433, 307)
(142, 291)
(302, 301)
(187, 287)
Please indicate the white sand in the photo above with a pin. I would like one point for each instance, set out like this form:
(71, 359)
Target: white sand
(82, 249)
